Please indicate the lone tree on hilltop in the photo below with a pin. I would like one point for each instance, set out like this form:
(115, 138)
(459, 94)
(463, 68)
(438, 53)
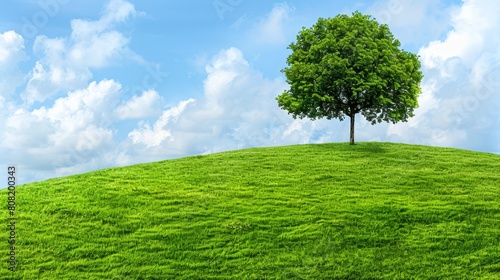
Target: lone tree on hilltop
(347, 65)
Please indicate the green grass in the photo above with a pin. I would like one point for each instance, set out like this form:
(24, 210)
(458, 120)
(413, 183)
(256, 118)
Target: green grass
(328, 211)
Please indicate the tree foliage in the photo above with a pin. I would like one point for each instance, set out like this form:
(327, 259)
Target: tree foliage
(347, 65)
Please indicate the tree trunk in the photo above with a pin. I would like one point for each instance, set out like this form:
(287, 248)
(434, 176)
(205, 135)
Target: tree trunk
(352, 130)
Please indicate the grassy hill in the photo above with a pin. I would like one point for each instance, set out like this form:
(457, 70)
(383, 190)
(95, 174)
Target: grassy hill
(328, 211)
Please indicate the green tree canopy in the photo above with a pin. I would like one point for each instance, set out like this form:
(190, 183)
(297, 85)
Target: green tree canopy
(347, 65)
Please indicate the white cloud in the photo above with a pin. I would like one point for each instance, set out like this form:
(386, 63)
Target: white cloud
(143, 106)
(271, 29)
(475, 28)
(461, 99)
(237, 110)
(152, 137)
(119, 11)
(66, 63)
(76, 133)
(11, 54)
(11, 44)
(69, 136)
(413, 22)
(116, 11)
(11, 77)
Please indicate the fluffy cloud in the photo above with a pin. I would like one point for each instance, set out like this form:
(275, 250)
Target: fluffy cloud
(237, 110)
(414, 22)
(475, 28)
(271, 29)
(77, 133)
(461, 98)
(152, 137)
(66, 64)
(69, 136)
(11, 47)
(143, 106)
(11, 54)
(116, 11)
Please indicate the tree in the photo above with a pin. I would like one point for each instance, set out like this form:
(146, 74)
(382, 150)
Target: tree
(347, 65)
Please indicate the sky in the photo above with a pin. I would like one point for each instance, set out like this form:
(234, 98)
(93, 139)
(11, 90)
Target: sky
(87, 85)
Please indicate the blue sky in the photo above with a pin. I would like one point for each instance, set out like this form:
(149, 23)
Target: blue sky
(92, 84)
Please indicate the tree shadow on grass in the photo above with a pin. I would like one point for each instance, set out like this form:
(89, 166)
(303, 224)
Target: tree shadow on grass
(365, 147)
